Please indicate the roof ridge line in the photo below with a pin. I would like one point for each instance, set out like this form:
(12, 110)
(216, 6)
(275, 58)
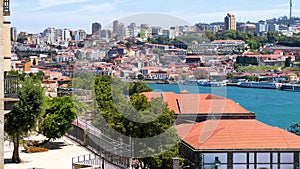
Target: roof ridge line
(213, 133)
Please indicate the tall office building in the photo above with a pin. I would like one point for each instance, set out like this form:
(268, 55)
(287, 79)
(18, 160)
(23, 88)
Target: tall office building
(230, 22)
(261, 28)
(81, 34)
(115, 26)
(66, 35)
(13, 33)
(96, 28)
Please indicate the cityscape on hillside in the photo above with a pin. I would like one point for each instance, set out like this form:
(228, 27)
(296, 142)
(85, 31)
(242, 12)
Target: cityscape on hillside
(203, 51)
(60, 36)
(125, 94)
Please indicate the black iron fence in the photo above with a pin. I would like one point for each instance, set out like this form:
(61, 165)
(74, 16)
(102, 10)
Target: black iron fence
(11, 86)
(111, 154)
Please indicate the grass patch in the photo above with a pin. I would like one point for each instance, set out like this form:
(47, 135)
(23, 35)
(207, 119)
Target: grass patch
(291, 69)
(256, 68)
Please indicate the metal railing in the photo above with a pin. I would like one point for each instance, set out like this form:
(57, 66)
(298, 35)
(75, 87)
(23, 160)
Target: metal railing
(97, 142)
(11, 86)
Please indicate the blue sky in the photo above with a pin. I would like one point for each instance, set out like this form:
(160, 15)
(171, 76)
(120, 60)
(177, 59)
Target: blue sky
(35, 15)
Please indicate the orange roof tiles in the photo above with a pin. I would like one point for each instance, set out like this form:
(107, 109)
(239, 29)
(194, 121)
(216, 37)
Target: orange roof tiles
(236, 134)
(64, 78)
(198, 103)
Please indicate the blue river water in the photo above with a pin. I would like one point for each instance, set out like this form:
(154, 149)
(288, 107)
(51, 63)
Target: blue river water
(273, 107)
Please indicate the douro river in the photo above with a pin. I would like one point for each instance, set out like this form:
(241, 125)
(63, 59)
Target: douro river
(273, 107)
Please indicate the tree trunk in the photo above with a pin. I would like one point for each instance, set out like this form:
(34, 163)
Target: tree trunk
(16, 156)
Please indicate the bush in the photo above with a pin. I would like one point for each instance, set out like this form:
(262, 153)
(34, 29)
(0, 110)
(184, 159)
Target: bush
(33, 149)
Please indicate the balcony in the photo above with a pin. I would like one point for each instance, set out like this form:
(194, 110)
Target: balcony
(10, 92)
(11, 87)
(6, 11)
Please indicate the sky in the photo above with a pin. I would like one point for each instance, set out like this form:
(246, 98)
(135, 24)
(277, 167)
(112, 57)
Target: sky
(34, 16)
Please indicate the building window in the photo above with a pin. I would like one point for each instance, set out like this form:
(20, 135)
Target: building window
(286, 157)
(240, 158)
(263, 158)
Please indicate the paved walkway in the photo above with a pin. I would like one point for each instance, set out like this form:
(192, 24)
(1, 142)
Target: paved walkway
(59, 156)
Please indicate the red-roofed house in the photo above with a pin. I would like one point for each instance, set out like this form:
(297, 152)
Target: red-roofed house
(227, 136)
(238, 144)
(200, 107)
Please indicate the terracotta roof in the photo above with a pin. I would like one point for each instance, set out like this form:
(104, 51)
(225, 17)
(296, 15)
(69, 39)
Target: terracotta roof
(236, 134)
(198, 103)
(64, 78)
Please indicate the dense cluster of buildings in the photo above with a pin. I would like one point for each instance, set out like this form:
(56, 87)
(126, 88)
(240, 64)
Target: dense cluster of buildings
(225, 135)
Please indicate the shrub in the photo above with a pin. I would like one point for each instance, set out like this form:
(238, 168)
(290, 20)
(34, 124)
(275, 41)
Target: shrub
(33, 149)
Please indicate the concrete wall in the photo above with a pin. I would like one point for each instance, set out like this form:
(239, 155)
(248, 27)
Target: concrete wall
(1, 88)
(7, 48)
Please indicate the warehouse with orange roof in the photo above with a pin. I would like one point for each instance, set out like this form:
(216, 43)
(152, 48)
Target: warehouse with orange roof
(200, 107)
(218, 133)
(238, 144)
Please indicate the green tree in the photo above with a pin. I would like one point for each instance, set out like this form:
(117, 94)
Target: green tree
(138, 87)
(135, 117)
(272, 37)
(139, 102)
(128, 45)
(157, 51)
(82, 80)
(140, 77)
(210, 35)
(22, 39)
(252, 78)
(287, 62)
(25, 113)
(235, 65)
(57, 120)
(229, 75)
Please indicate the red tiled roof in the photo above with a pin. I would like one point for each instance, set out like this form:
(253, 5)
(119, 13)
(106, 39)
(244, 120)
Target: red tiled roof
(198, 103)
(236, 134)
(64, 78)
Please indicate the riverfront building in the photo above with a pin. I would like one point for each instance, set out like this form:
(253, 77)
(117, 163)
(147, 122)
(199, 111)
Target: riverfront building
(201, 107)
(238, 144)
(217, 132)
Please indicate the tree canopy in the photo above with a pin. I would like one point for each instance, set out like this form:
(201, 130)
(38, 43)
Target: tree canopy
(245, 60)
(138, 87)
(58, 117)
(25, 112)
(138, 118)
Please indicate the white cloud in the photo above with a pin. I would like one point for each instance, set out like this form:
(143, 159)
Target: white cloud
(43, 4)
